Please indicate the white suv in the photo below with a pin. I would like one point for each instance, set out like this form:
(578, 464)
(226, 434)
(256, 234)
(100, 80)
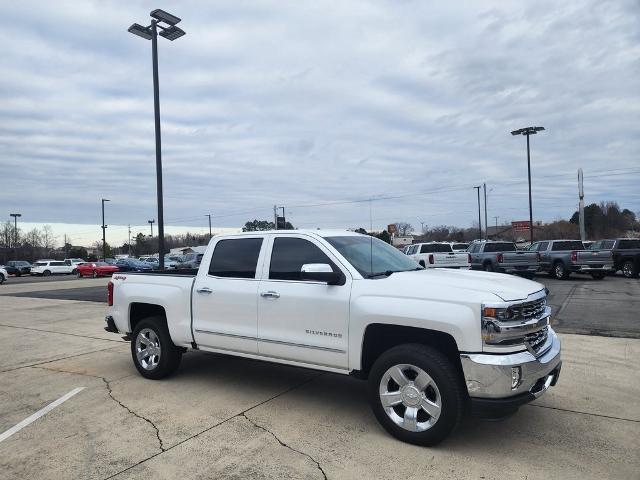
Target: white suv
(50, 267)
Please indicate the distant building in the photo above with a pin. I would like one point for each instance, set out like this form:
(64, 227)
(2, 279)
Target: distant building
(398, 241)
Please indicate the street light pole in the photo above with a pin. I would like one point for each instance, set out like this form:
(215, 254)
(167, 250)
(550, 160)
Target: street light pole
(528, 131)
(486, 222)
(15, 232)
(479, 218)
(150, 222)
(104, 232)
(170, 32)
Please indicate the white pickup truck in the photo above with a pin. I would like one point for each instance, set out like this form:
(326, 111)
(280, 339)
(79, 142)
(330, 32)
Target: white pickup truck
(438, 255)
(433, 344)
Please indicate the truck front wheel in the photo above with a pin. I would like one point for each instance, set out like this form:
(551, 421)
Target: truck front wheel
(416, 394)
(154, 354)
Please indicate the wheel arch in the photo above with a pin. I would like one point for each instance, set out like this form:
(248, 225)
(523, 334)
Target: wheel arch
(380, 337)
(139, 311)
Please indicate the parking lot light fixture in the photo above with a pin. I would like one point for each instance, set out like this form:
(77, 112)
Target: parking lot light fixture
(528, 131)
(166, 22)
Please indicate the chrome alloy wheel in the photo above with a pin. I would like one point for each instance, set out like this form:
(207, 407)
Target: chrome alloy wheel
(410, 397)
(148, 349)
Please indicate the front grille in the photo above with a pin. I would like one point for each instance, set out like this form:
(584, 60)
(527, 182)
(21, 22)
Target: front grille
(537, 339)
(527, 310)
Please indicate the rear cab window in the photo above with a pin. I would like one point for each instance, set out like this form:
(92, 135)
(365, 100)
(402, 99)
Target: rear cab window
(567, 245)
(236, 258)
(628, 244)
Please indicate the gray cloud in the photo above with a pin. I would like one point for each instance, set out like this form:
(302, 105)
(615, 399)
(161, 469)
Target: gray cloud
(311, 103)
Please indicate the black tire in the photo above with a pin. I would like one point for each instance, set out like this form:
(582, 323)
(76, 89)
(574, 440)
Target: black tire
(446, 377)
(560, 271)
(46, 273)
(78, 274)
(170, 355)
(2, 279)
(18, 273)
(487, 267)
(95, 274)
(629, 269)
(598, 275)
(74, 271)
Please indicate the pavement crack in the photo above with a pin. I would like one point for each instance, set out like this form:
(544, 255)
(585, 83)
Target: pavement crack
(135, 414)
(585, 413)
(208, 429)
(252, 422)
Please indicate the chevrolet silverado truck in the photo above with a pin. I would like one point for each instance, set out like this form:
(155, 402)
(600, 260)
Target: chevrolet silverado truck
(438, 255)
(625, 253)
(433, 344)
(562, 257)
(498, 256)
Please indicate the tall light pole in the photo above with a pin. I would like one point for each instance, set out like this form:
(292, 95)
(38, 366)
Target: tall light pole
(15, 232)
(528, 131)
(479, 218)
(170, 32)
(486, 222)
(209, 215)
(150, 222)
(104, 231)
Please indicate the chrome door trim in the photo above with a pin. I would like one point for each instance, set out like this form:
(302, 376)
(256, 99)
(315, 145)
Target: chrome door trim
(267, 340)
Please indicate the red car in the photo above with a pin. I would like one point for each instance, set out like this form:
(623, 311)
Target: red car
(95, 269)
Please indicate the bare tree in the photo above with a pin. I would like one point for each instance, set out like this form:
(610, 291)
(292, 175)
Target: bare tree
(48, 239)
(404, 229)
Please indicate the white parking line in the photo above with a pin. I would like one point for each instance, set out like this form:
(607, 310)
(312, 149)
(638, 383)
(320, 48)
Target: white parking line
(39, 414)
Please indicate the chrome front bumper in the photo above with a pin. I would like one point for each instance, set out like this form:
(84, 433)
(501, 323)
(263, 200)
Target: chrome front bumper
(490, 376)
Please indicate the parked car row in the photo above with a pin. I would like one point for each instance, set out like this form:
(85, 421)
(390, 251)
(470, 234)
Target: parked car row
(558, 258)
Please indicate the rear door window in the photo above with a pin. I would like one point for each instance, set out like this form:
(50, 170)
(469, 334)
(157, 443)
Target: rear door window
(628, 244)
(236, 258)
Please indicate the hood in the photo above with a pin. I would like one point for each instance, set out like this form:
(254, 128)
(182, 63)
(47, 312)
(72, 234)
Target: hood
(507, 287)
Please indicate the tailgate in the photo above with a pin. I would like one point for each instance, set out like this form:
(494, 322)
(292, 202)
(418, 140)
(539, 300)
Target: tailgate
(594, 258)
(451, 259)
(520, 258)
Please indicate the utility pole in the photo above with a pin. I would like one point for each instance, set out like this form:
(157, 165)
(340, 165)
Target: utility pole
(15, 232)
(528, 131)
(209, 215)
(479, 218)
(486, 223)
(150, 222)
(104, 231)
(66, 250)
(129, 243)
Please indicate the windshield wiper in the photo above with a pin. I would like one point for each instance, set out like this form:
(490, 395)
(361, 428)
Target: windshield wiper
(386, 273)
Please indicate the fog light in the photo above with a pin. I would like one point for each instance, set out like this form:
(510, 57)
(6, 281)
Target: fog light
(516, 375)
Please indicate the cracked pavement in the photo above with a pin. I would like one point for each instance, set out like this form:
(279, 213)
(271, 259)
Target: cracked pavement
(225, 417)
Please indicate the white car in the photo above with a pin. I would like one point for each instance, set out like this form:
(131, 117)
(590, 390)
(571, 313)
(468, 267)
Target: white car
(52, 267)
(438, 255)
(3, 275)
(432, 343)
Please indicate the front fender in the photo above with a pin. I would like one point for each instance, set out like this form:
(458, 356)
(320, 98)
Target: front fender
(460, 320)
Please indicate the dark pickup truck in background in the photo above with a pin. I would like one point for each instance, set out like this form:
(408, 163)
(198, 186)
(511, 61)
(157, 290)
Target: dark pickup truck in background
(625, 253)
(562, 257)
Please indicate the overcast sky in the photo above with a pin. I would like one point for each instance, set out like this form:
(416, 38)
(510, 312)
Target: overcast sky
(318, 106)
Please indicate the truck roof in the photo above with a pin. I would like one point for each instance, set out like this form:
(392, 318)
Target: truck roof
(319, 233)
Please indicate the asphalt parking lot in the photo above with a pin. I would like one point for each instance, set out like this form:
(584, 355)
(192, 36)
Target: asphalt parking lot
(225, 417)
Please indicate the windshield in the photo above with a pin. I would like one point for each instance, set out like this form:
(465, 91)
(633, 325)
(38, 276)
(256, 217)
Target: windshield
(371, 256)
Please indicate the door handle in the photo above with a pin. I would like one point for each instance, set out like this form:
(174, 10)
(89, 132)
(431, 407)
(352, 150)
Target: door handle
(270, 294)
(204, 290)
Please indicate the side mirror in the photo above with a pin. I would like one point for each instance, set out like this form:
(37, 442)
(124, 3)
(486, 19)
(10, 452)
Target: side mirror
(321, 272)
(422, 264)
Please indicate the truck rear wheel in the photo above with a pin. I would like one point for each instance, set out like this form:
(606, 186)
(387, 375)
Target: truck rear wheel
(416, 394)
(598, 275)
(560, 271)
(154, 354)
(629, 269)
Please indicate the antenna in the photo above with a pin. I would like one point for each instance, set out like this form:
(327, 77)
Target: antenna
(370, 237)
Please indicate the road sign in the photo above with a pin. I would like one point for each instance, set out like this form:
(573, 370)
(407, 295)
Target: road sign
(521, 226)
(391, 228)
